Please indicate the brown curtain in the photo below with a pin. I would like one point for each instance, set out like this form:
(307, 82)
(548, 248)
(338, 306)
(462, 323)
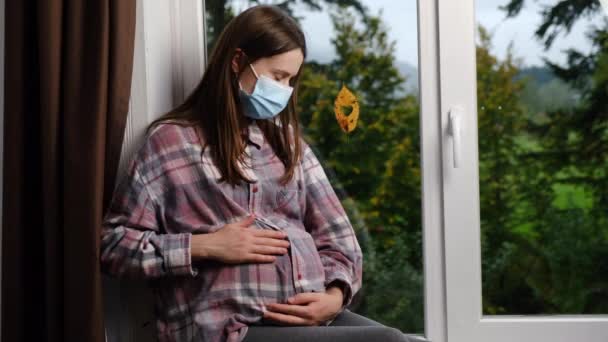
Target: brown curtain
(67, 86)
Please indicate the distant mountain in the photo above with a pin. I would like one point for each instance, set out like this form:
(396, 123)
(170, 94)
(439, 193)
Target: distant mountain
(541, 75)
(410, 73)
(544, 92)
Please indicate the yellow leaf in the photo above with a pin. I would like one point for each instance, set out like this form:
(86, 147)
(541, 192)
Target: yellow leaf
(346, 98)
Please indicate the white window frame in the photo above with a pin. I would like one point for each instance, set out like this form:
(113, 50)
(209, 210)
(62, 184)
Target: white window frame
(435, 305)
(461, 218)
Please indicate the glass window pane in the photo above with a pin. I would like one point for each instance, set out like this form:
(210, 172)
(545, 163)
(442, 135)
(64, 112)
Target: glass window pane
(542, 73)
(374, 168)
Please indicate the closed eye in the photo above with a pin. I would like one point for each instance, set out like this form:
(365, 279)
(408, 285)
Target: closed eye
(280, 77)
(281, 74)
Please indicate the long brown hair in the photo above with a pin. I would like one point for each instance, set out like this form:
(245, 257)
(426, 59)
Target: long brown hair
(214, 107)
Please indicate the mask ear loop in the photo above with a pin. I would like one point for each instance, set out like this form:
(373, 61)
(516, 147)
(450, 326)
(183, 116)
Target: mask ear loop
(252, 69)
(255, 73)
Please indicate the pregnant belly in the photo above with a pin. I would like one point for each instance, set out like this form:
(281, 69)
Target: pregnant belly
(247, 287)
(257, 283)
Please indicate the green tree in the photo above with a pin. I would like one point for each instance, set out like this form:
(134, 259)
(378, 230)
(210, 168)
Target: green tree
(577, 136)
(552, 246)
(500, 121)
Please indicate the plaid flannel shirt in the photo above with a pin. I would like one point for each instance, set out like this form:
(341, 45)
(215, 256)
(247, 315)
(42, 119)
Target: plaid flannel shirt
(170, 192)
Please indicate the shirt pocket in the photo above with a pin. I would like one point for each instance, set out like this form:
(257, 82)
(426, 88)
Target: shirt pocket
(287, 199)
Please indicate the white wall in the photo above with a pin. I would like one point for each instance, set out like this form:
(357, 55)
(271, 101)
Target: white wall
(168, 63)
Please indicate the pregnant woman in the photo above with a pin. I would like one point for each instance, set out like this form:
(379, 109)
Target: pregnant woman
(227, 212)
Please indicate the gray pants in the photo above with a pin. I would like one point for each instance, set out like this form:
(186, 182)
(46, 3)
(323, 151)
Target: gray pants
(348, 326)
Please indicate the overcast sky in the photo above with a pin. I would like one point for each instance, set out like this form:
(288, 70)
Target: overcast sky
(401, 19)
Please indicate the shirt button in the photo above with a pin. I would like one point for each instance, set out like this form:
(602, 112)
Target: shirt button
(255, 188)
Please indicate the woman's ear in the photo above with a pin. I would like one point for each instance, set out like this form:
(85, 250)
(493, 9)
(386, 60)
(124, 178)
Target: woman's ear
(236, 60)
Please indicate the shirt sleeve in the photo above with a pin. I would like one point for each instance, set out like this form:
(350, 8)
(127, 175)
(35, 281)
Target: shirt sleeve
(335, 238)
(132, 242)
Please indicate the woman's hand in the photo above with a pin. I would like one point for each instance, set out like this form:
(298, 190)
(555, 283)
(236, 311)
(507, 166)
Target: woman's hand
(309, 308)
(236, 243)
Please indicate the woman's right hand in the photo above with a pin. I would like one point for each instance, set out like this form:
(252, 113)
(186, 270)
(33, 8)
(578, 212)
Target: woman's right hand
(236, 243)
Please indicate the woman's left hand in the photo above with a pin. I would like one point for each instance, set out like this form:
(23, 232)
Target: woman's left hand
(308, 308)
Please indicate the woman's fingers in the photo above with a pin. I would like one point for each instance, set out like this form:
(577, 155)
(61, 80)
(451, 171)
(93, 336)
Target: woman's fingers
(269, 250)
(269, 233)
(304, 298)
(266, 243)
(246, 221)
(287, 319)
(295, 310)
(261, 258)
(271, 242)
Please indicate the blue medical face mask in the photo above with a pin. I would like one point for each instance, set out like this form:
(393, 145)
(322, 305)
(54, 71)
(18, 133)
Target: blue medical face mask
(268, 98)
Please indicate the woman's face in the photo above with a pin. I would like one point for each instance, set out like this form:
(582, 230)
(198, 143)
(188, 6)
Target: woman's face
(281, 68)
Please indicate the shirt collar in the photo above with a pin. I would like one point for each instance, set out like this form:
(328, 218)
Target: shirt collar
(256, 136)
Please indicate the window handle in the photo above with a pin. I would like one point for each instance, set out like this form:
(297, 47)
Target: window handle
(455, 130)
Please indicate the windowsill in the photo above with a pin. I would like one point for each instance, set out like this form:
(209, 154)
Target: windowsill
(417, 338)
